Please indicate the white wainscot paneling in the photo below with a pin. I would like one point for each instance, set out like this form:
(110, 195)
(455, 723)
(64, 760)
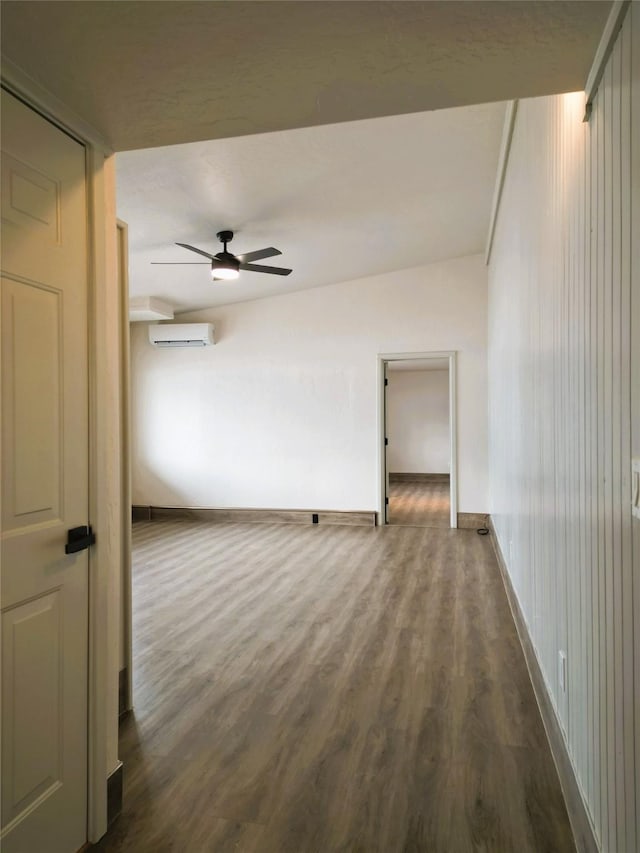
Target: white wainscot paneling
(560, 364)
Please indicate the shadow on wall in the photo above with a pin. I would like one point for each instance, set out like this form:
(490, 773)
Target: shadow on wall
(156, 487)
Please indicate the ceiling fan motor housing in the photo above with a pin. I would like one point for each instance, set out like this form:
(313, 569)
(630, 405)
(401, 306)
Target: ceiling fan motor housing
(225, 260)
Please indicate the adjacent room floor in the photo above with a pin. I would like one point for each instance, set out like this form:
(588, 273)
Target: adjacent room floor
(419, 502)
(318, 689)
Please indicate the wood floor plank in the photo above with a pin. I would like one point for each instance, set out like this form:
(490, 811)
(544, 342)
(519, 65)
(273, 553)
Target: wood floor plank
(422, 503)
(329, 689)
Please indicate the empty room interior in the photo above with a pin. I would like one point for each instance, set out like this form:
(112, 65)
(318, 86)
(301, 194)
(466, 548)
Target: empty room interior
(320, 426)
(418, 443)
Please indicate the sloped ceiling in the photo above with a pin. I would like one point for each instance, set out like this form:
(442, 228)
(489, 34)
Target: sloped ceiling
(325, 129)
(150, 73)
(340, 201)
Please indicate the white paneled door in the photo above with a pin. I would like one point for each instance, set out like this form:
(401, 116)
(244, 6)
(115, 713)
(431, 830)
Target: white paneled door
(44, 590)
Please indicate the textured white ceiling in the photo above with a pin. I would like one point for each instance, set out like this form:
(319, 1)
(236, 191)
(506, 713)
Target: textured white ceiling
(158, 73)
(340, 201)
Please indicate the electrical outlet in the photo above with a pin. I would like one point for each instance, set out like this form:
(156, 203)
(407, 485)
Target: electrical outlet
(562, 671)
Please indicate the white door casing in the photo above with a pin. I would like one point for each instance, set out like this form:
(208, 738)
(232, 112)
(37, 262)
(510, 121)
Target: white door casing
(383, 360)
(45, 476)
(385, 423)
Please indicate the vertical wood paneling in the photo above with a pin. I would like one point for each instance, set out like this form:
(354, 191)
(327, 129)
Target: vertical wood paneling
(604, 447)
(619, 376)
(561, 420)
(630, 337)
(632, 575)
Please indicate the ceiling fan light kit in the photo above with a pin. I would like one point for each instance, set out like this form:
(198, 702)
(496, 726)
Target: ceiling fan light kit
(225, 266)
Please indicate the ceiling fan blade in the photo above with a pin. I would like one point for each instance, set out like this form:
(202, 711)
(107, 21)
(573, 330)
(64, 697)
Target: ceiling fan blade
(193, 249)
(260, 268)
(181, 263)
(259, 255)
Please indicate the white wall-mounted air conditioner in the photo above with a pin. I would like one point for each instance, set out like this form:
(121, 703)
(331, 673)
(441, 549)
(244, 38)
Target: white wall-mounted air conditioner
(181, 334)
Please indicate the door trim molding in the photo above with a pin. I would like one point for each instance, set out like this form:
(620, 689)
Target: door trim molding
(104, 455)
(385, 358)
(126, 611)
(105, 473)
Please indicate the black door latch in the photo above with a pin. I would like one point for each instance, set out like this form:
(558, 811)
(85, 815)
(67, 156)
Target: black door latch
(78, 539)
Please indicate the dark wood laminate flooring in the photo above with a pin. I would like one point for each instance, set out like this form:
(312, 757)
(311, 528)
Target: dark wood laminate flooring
(324, 689)
(422, 504)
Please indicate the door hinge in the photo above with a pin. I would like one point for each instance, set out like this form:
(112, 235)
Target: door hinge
(386, 500)
(386, 381)
(386, 441)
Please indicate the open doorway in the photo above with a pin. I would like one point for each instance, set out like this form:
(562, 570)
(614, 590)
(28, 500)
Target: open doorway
(417, 439)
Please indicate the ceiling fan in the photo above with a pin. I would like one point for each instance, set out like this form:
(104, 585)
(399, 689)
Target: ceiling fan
(225, 266)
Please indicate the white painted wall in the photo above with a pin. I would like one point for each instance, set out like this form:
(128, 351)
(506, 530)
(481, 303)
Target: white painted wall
(418, 421)
(282, 412)
(561, 278)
